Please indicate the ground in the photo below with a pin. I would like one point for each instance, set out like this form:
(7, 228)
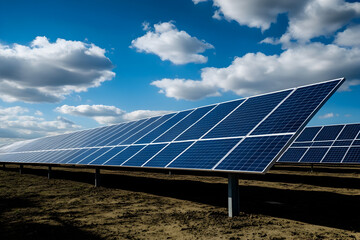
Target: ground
(286, 203)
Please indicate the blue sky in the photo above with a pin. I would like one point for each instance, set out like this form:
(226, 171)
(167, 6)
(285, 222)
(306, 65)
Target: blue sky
(67, 65)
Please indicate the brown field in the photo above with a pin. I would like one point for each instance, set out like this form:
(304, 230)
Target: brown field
(286, 203)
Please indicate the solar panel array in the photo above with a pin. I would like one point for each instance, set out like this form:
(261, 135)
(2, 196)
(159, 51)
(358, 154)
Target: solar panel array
(326, 144)
(244, 135)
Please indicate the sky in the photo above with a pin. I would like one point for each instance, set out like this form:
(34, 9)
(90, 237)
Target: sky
(72, 65)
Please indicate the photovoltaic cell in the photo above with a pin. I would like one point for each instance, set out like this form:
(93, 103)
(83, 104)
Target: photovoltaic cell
(293, 155)
(254, 154)
(145, 154)
(107, 156)
(338, 137)
(329, 133)
(247, 116)
(204, 154)
(184, 124)
(350, 132)
(314, 155)
(206, 123)
(124, 155)
(97, 153)
(322, 143)
(353, 155)
(335, 155)
(168, 154)
(296, 109)
(308, 134)
(302, 144)
(163, 128)
(342, 143)
(144, 131)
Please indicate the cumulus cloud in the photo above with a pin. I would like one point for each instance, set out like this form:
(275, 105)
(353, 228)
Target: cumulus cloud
(307, 19)
(106, 114)
(166, 41)
(256, 73)
(47, 71)
(349, 37)
(17, 124)
(321, 18)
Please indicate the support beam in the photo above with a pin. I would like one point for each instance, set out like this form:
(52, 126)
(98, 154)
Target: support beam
(312, 168)
(49, 172)
(21, 169)
(169, 172)
(97, 177)
(233, 194)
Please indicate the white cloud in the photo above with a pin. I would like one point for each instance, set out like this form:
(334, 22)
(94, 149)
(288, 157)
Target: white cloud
(255, 13)
(199, 1)
(307, 19)
(169, 43)
(328, 115)
(321, 18)
(15, 125)
(47, 72)
(257, 73)
(106, 114)
(350, 37)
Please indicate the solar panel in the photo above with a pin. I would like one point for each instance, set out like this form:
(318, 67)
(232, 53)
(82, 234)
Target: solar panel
(244, 135)
(326, 144)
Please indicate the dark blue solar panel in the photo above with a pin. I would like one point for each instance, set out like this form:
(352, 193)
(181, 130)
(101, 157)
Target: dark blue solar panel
(133, 131)
(254, 154)
(60, 155)
(293, 155)
(118, 159)
(209, 121)
(147, 129)
(108, 155)
(356, 142)
(308, 134)
(184, 124)
(350, 131)
(164, 127)
(168, 154)
(84, 154)
(353, 155)
(301, 144)
(110, 131)
(72, 154)
(145, 154)
(296, 109)
(247, 116)
(322, 143)
(342, 143)
(128, 127)
(314, 155)
(47, 157)
(335, 155)
(329, 133)
(204, 154)
(94, 155)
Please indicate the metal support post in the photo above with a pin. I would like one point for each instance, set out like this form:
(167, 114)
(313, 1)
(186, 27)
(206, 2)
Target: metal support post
(312, 168)
(21, 169)
(169, 172)
(49, 172)
(233, 194)
(97, 177)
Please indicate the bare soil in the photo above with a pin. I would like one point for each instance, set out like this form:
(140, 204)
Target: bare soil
(286, 203)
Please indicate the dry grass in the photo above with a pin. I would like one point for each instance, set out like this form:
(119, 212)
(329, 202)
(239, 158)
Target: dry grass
(287, 203)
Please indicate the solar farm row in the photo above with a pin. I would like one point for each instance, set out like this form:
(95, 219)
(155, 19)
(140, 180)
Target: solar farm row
(244, 135)
(326, 144)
